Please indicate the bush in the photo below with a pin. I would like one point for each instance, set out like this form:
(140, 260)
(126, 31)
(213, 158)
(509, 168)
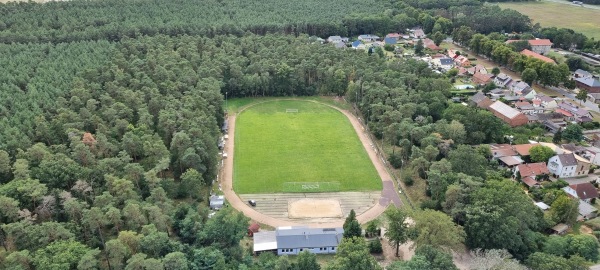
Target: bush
(375, 247)
(407, 178)
(430, 204)
(395, 160)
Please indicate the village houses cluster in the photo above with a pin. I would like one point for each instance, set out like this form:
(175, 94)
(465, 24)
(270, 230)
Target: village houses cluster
(569, 162)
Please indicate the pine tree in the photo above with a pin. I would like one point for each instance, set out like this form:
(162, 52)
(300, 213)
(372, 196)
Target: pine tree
(351, 226)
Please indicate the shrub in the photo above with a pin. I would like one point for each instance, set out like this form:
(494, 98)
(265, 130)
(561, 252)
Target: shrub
(375, 247)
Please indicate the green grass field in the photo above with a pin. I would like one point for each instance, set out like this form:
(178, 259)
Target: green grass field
(548, 14)
(317, 144)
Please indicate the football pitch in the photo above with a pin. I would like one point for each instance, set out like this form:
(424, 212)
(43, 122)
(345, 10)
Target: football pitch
(299, 146)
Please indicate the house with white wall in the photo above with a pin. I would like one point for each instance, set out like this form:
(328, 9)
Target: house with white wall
(563, 165)
(293, 240)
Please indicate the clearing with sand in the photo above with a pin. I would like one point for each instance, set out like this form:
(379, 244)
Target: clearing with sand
(315, 208)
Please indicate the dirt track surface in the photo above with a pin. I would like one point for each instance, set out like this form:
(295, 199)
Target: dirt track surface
(388, 194)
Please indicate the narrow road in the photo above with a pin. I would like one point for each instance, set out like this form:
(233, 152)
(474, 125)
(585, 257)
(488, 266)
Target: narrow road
(388, 194)
(571, 4)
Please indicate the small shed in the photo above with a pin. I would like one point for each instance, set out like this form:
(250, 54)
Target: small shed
(560, 228)
(252, 229)
(217, 202)
(542, 206)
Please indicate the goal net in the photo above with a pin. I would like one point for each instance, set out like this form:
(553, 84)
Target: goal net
(307, 187)
(291, 110)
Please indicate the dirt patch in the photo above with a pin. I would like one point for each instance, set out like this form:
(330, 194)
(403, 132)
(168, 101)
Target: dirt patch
(315, 208)
(585, 229)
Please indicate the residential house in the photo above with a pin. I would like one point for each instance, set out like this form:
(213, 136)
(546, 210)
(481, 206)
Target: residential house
(594, 97)
(527, 108)
(502, 150)
(584, 191)
(546, 102)
(519, 88)
(444, 63)
(396, 36)
(580, 73)
(477, 69)
(293, 240)
(589, 84)
(452, 53)
(573, 113)
(502, 80)
(529, 53)
(356, 44)
(531, 173)
(508, 114)
(368, 38)
(480, 100)
(418, 33)
(333, 39)
(482, 79)
(540, 46)
(586, 211)
(592, 154)
(428, 43)
(462, 61)
(390, 41)
(568, 165)
(523, 149)
(216, 202)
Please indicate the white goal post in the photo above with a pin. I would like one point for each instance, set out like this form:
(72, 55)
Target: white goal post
(291, 110)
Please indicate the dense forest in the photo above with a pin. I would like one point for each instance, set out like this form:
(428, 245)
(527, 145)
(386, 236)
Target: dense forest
(111, 113)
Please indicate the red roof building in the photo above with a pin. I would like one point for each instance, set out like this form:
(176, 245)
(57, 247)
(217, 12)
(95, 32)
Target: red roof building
(482, 79)
(529, 53)
(531, 172)
(510, 115)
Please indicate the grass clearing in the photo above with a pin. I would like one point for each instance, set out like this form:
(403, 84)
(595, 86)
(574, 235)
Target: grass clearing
(550, 14)
(317, 144)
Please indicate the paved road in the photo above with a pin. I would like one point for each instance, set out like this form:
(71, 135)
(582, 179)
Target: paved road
(388, 194)
(590, 106)
(571, 4)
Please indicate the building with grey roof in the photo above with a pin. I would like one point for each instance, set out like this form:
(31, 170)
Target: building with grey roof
(217, 202)
(293, 240)
(563, 165)
(590, 84)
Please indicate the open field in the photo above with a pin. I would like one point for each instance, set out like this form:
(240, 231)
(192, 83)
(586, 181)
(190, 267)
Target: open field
(317, 144)
(550, 14)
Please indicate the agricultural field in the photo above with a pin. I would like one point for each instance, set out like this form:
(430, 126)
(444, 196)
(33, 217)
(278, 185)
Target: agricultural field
(280, 151)
(550, 14)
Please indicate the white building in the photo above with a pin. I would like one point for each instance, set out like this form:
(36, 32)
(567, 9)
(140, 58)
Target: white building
(293, 240)
(563, 165)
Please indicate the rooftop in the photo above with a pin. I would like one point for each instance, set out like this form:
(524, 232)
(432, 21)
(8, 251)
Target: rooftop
(523, 149)
(567, 159)
(529, 53)
(504, 109)
(540, 42)
(585, 190)
(533, 169)
(591, 82)
(304, 237)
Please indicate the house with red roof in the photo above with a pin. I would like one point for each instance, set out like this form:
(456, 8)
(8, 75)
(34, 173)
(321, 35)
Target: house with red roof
(529, 53)
(531, 173)
(540, 46)
(482, 79)
(508, 114)
(462, 61)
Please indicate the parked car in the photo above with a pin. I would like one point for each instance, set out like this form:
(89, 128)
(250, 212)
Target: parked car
(252, 203)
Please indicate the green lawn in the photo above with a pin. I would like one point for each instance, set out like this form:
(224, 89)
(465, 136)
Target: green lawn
(317, 144)
(550, 14)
